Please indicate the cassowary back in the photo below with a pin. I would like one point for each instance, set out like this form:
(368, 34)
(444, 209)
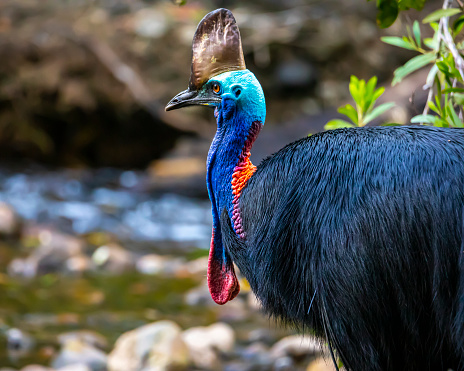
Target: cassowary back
(368, 222)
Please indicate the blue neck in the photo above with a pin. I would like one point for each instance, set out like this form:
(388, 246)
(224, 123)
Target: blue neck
(223, 156)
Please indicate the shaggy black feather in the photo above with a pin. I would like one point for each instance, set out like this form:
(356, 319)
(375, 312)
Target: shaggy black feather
(371, 220)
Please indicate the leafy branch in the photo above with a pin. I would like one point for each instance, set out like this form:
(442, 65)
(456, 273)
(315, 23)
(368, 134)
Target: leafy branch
(364, 95)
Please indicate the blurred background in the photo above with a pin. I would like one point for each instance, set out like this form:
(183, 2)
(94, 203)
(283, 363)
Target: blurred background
(104, 217)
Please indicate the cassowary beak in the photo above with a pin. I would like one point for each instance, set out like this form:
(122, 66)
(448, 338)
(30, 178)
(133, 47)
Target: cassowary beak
(191, 97)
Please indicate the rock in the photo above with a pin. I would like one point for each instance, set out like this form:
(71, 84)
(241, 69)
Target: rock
(113, 258)
(75, 351)
(296, 346)
(234, 311)
(36, 368)
(158, 264)
(49, 257)
(75, 367)
(284, 364)
(19, 343)
(198, 266)
(253, 302)
(157, 346)
(77, 265)
(263, 335)
(10, 223)
(207, 343)
(199, 296)
(88, 337)
(321, 364)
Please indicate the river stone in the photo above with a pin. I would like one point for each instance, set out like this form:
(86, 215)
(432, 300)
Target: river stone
(207, 343)
(88, 337)
(77, 351)
(9, 221)
(113, 258)
(296, 346)
(156, 346)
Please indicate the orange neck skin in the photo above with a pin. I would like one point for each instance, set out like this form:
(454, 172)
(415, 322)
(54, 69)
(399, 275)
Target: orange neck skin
(243, 171)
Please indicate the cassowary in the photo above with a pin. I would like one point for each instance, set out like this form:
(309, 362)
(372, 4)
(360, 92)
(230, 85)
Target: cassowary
(354, 233)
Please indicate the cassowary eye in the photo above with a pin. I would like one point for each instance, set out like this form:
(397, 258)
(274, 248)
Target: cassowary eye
(216, 88)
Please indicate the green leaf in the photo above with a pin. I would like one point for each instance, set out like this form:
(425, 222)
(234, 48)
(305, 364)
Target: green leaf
(453, 90)
(391, 124)
(350, 111)
(387, 12)
(377, 111)
(458, 25)
(415, 4)
(355, 90)
(433, 107)
(369, 95)
(337, 124)
(436, 15)
(398, 41)
(417, 33)
(412, 65)
(428, 119)
(459, 98)
(456, 122)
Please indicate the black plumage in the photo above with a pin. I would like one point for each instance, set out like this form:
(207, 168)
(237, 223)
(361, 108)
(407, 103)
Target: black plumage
(367, 222)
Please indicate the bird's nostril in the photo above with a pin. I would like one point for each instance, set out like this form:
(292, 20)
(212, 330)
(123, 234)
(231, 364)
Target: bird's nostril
(238, 92)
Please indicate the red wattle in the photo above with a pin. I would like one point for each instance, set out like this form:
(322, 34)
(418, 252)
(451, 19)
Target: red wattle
(222, 281)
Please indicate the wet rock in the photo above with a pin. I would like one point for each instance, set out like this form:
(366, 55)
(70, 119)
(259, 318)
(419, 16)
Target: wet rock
(88, 337)
(76, 351)
(10, 223)
(157, 346)
(158, 264)
(206, 344)
(19, 343)
(113, 258)
(321, 364)
(296, 346)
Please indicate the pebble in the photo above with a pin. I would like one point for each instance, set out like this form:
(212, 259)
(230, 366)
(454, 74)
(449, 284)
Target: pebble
(113, 258)
(207, 343)
(19, 343)
(296, 346)
(9, 221)
(199, 296)
(157, 264)
(156, 346)
(77, 351)
(88, 337)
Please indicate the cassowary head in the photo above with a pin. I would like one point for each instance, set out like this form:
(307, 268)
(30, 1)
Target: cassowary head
(218, 77)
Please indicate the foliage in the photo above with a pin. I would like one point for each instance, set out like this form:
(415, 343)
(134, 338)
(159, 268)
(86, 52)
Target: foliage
(364, 95)
(388, 10)
(445, 81)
